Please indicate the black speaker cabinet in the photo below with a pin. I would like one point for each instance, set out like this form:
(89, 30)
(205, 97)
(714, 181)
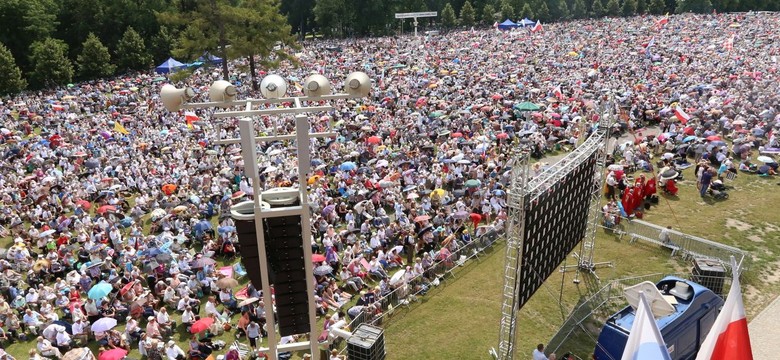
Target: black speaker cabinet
(709, 273)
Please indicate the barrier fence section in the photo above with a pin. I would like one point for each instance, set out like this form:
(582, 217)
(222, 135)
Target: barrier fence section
(408, 291)
(686, 245)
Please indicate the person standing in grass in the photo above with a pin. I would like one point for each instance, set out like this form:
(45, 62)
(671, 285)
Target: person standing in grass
(538, 353)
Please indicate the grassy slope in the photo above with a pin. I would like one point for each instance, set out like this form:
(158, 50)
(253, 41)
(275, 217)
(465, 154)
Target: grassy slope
(461, 320)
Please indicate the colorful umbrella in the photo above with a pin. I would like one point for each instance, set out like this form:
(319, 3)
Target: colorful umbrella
(472, 183)
(106, 208)
(422, 218)
(317, 258)
(104, 324)
(113, 354)
(227, 283)
(713, 138)
(202, 262)
(374, 140)
(100, 290)
(201, 325)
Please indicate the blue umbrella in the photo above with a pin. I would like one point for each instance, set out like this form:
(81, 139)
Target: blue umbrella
(202, 226)
(226, 229)
(689, 139)
(100, 290)
(347, 166)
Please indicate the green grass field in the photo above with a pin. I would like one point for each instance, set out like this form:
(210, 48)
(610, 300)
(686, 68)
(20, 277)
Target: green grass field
(460, 319)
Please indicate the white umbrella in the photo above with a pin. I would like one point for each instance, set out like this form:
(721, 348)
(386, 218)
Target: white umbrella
(275, 152)
(46, 233)
(382, 163)
(104, 324)
(51, 331)
(615, 167)
(765, 159)
(397, 277)
(269, 169)
(739, 122)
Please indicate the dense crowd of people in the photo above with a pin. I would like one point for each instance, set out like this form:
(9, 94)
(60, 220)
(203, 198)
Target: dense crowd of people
(117, 210)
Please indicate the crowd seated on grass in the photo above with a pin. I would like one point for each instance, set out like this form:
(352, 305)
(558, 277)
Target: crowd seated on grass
(116, 211)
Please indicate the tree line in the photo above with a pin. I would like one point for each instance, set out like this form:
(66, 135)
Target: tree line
(54, 42)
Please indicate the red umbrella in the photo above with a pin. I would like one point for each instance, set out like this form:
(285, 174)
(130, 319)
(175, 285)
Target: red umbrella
(317, 258)
(456, 135)
(126, 288)
(496, 97)
(84, 204)
(713, 138)
(502, 136)
(201, 325)
(374, 140)
(105, 208)
(113, 354)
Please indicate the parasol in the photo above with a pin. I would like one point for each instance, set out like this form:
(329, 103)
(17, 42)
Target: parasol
(322, 270)
(113, 354)
(669, 174)
(79, 354)
(765, 159)
(46, 233)
(106, 208)
(422, 218)
(168, 189)
(227, 283)
(103, 324)
(201, 325)
(397, 277)
(317, 258)
(100, 290)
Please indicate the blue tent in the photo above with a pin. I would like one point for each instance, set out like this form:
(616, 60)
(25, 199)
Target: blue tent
(506, 25)
(169, 65)
(211, 59)
(526, 22)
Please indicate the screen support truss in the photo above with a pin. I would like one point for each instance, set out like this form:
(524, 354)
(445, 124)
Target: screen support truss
(521, 191)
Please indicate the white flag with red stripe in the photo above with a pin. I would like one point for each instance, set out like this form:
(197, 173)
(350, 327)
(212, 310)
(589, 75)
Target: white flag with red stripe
(681, 115)
(537, 27)
(729, 338)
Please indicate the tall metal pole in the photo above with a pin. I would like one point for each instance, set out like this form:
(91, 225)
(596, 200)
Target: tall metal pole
(304, 165)
(249, 154)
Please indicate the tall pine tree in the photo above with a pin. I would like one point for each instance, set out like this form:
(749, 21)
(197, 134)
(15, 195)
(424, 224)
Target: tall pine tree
(51, 66)
(131, 52)
(467, 14)
(628, 8)
(94, 60)
(657, 7)
(448, 19)
(11, 81)
(613, 8)
(598, 8)
(579, 10)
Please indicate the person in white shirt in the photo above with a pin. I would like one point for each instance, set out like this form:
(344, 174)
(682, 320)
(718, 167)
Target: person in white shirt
(538, 353)
(164, 321)
(174, 352)
(46, 349)
(63, 339)
(80, 329)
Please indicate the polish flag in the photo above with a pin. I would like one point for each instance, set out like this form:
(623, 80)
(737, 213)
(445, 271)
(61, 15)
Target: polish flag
(645, 341)
(729, 337)
(537, 27)
(557, 92)
(680, 114)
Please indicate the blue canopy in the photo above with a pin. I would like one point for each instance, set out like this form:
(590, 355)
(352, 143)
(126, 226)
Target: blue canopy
(168, 66)
(506, 25)
(526, 22)
(211, 59)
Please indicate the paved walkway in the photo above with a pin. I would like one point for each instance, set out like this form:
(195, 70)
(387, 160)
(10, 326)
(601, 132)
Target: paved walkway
(764, 332)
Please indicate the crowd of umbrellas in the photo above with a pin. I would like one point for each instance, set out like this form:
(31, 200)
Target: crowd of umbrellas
(98, 172)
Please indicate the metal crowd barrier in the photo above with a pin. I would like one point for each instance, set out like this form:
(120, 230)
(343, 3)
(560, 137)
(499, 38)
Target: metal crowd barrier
(686, 245)
(408, 292)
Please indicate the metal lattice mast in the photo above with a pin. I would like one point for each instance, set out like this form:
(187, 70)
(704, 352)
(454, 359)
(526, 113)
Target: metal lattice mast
(594, 212)
(514, 240)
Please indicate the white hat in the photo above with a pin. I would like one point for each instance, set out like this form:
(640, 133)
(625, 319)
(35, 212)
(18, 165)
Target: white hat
(171, 343)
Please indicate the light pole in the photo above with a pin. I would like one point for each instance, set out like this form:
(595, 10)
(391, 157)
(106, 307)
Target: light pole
(273, 87)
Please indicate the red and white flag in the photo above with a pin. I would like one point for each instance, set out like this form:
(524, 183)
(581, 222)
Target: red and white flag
(729, 337)
(189, 118)
(681, 115)
(557, 92)
(537, 27)
(660, 23)
(728, 45)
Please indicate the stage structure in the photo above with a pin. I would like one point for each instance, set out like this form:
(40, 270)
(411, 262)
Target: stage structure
(548, 216)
